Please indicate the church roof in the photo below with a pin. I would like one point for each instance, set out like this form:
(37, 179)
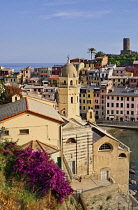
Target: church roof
(69, 70)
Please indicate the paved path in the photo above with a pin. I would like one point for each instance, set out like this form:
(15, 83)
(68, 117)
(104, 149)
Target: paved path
(88, 183)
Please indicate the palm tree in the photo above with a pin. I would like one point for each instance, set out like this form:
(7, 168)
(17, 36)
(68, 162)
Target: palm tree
(91, 51)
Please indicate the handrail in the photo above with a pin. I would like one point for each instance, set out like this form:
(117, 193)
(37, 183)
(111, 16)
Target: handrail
(67, 167)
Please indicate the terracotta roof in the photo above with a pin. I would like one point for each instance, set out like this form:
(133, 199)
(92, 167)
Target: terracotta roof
(38, 145)
(54, 77)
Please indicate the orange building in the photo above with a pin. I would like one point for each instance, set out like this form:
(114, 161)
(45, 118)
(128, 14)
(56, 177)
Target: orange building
(100, 62)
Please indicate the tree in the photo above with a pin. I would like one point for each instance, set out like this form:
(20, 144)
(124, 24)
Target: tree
(99, 54)
(91, 51)
(6, 93)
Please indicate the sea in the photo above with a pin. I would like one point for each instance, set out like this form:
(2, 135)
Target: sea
(18, 66)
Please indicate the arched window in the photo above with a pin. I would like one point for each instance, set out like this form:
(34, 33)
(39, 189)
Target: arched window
(71, 82)
(71, 140)
(122, 155)
(105, 146)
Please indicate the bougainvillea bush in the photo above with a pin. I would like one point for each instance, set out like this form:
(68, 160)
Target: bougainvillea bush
(37, 171)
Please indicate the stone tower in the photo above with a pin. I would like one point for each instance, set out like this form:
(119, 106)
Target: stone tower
(126, 47)
(69, 90)
(126, 44)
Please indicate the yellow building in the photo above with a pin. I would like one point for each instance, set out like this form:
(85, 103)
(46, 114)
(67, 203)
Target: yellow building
(119, 80)
(69, 90)
(83, 76)
(86, 99)
(28, 119)
(110, 159)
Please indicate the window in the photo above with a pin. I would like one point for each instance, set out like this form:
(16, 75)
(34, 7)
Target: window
(102, 101)
(132, 99)
(112, 111)
(71, 100)
(88, 95)
(71, 82)
(108, 104)
(6, 132)
(83, 95)
(117, 104)
(127, 105)
(80, 100)
(132, 105)
(118, 98)
(83, 107)
(132, 112)
(127, 98)
(127, 112)
(102, 96)
(117, 112)
(24, 131)
(121, 98)
(107, 97)
(84, 101)
(112, 97)
(121, 105)
(71, 140)
(121, 112)
(122, 155)
(105, 147)
(108, 112)
(112, 104)
(88, 101)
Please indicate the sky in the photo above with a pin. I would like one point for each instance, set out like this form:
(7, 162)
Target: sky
(47, 31)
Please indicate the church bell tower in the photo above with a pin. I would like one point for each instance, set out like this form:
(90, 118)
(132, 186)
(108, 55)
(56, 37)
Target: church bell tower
(69, 90)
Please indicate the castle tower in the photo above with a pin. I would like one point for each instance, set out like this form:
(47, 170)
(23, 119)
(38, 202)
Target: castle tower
(126, 44)
(126, 47)
(69, 90)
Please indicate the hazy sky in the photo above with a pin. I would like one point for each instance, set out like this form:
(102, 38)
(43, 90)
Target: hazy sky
(49, 30)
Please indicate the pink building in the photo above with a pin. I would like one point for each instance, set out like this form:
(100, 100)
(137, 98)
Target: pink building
(133, 81)
(122, 104)
(5, 71)
(119, 71)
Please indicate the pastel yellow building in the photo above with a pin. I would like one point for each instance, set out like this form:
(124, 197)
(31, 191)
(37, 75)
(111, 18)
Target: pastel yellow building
(69, 90)
(86, 99)
(29, 120)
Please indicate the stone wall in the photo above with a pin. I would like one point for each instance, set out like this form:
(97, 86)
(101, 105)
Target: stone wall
(101, 198)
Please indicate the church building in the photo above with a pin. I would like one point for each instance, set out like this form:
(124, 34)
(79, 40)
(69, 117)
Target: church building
(87, 149)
